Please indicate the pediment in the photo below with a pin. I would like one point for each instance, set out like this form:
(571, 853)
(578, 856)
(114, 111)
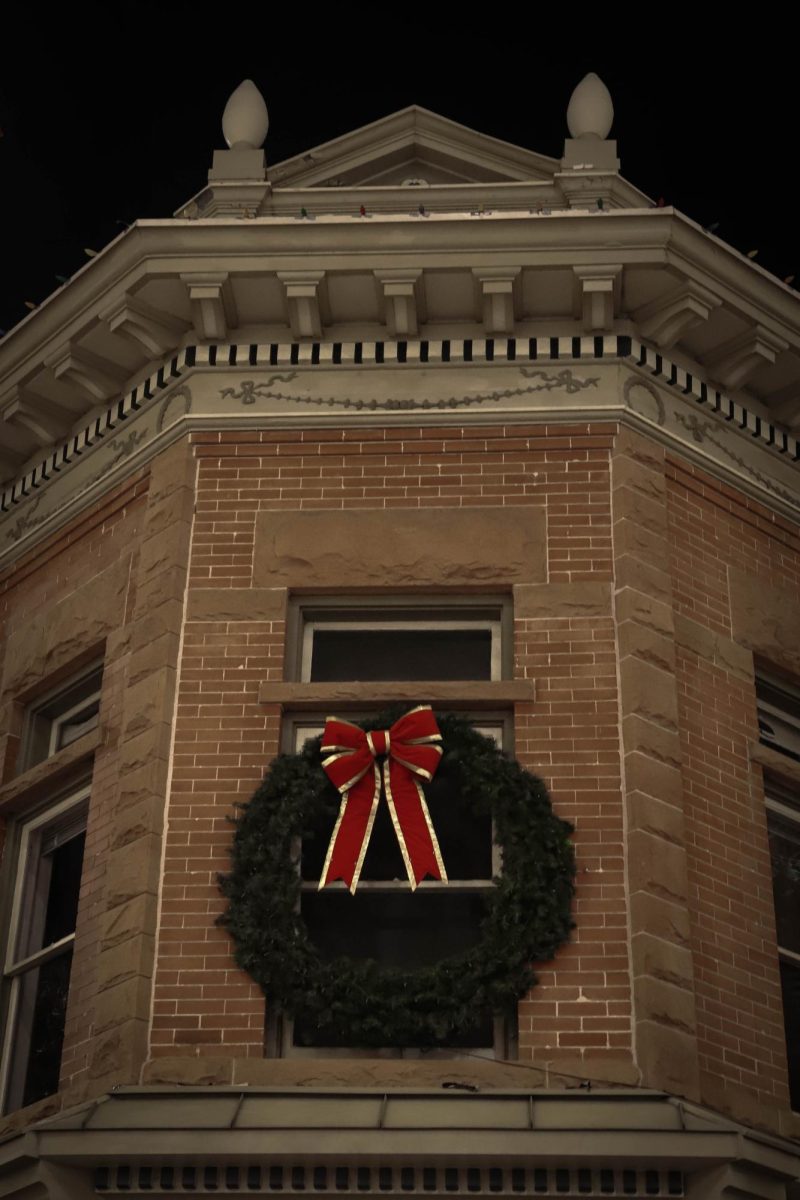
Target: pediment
(412, 145)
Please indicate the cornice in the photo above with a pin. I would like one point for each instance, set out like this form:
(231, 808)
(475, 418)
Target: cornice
(705, 425)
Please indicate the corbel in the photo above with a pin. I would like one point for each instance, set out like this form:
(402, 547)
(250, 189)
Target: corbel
(401, 299)
(150, 329)
(42, 419)
(737, 360)
(87, 371)
(498, 297)
(596, 296)
(213, 305)
(666, 320)
(305, 300)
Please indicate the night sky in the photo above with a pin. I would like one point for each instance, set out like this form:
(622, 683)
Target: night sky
(113, 113)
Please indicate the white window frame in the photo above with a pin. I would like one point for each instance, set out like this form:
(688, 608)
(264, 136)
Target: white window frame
(64, 718)
(14, 968)
(43, 726)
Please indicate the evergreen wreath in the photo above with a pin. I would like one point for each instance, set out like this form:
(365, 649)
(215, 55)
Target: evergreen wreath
(359, 1002)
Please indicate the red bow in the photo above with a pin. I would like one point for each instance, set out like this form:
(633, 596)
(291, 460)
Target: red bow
(410, 750)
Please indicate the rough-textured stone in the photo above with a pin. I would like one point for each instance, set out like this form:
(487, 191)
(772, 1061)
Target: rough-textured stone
(646, 774)
(381, 548)
(147, 659)
(142, 783)
(665, 1004)
(61, 636)
(190, 1071)
(534, 600)
(631, 604)
(117, 1056)
(664, 960)
(639, 477)
(133, 869)
(135, 820)
(645, 642)
(164, 549)
(454, 693)
(651, 579)
(149, 702)
(651, 739)
(152, 623)
(773, 760)
(175, 468)
(164, 511)
(118, 963)
(656, 866)
(236, 604)
(660, 917)
(121, 1001)
(764, 618)
(649, 513)
(667, 1058)
(632, 537)
(651, 815)
(153, 743)
(54, 772)
(714, 647)
(648, 692)
(128, 920)
(373, 1072)
(160, 588)
(633, 445)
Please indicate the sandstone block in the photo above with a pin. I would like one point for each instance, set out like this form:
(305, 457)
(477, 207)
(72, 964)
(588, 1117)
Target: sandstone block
(765, 618)
(172, 469)
(656, 866)
(652, 579)
(135, 820)
(648, 692)
(714, 647)
(236, 604)
(645, 608)
(660, 917)
(131, 919)
(633, 538)
(133, 869)
(115, 1005)
(149, 625)
(189, 1071)
(138, 751)
(118, 1054)
(430, 546)
(160, 588)
(164, 549)
(634, 445)
(116, 964)
(645, 642)
(643, 773)
(142, 783)
(665, 1004)
(640, 477)
(149, 701)
(651, 815)
(649, 513)
(654, 740)
(662, 960)
(667, 1058)
(163, 511)
(533, 600)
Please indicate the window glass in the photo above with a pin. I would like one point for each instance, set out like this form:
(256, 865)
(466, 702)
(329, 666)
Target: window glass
(37, 969)
(790, 983)
(778, 715)
(784, 845)
(373, 654)
(62, 717)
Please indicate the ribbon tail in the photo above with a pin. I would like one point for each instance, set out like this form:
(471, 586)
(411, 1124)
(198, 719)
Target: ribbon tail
(351, 833)
(412, 824)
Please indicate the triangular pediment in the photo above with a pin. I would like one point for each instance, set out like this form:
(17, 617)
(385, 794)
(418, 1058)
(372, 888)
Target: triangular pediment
(411, 146)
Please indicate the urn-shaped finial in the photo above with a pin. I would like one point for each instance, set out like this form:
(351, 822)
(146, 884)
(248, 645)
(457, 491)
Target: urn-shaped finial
(590, 112)
(245, 120)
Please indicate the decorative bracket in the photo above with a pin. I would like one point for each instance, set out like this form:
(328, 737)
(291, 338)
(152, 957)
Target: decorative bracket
(401, 299)
(597, 296)
(44, 420)
(213, 305)
(784, 407)
(87, 371)
(665, 321)
(733, 363)
(150, 329)
(305, 300)
(498, 296)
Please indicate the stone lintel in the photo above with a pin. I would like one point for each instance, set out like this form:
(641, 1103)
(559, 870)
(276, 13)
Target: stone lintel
(451, 693)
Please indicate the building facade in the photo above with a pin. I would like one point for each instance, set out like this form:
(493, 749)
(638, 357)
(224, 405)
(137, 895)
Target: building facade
(418, 416)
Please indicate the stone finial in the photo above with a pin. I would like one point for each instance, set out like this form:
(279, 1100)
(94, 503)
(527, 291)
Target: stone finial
(590, 112)
(245, 120)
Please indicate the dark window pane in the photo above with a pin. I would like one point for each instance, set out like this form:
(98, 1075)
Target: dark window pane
(45, 989)
(784, 845)
(465, 839)
(401, 654)
(65, 883)
(790, 983)
(398, 928)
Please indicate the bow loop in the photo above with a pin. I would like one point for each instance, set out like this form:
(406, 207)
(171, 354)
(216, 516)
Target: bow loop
(411, 749)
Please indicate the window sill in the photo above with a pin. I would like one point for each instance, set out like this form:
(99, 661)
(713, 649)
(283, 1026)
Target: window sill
(773, 760)
(55, 771)
(468, 694)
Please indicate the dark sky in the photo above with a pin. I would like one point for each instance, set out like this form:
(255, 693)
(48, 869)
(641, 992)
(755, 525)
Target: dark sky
(112, 112)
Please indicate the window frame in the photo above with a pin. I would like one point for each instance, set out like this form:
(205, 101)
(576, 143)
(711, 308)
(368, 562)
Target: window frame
(776, 792)
(41, 728)
(777, 687)
(21, 848)
(305, 615)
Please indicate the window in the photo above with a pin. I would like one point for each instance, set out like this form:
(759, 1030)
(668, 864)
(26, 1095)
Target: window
(62, 717)
(783, 823)
(778, 715)
(44, 907)
(394, 642)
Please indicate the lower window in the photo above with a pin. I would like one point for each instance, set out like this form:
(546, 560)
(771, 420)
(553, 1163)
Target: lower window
(385, 921)
(783, 822)
(44, 908)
